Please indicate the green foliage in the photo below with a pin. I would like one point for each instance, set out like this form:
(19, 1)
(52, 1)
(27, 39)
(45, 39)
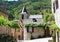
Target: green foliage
(10, 17)
(5, 22)
(8, 23)
(33, 6)
(53, 26)
(2, 20)
(48, 17)
(14, 25)
(55, 29)
(35, 25)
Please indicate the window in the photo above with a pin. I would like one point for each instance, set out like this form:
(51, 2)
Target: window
(56, 4)
(54, 7)
(47, 31)
(22, 16)
(30, 29)
(34, 20)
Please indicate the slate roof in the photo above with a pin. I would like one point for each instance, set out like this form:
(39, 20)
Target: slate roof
(24, 10)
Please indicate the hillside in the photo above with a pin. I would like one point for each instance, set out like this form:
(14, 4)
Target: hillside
(33, 6)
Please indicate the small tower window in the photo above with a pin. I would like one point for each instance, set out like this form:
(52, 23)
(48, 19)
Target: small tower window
(54, 7)
(22, 16)
(34, 20)
(56, 4)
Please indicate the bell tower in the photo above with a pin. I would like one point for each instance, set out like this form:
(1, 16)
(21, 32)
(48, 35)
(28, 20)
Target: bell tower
(24, 13)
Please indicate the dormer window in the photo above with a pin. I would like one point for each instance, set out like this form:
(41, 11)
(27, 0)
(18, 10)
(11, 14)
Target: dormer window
(34, 20)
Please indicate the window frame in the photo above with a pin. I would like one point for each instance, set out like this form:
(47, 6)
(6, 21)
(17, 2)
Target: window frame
(34, 20)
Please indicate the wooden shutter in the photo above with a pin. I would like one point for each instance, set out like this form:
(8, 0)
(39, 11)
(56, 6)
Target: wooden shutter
(32, 29)
(47, 31)
(54, 7)
(27, 29)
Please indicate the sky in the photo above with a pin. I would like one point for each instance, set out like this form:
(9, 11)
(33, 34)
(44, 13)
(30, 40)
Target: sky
(10, 0)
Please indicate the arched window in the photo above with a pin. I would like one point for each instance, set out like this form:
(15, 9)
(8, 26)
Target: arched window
(34, 20)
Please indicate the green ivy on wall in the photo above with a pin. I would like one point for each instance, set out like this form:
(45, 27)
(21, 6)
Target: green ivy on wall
(35, 25)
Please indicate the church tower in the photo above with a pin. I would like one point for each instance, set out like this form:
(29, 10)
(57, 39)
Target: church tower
(24, 13)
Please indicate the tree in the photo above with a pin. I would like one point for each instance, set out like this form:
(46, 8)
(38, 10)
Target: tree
(10, 17)
(48, 17)
(2, 21)
(55, 29)
(33, 6)
(52, 26)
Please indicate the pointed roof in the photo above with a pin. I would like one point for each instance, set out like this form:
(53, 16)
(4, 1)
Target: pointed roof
(24, 10)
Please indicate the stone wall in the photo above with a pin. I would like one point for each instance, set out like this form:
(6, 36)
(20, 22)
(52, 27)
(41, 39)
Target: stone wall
(37, 32)
(3, 30)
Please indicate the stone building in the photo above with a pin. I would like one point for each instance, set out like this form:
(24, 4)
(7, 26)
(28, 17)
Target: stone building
(32, 32)
(8, 30)
(56, 11)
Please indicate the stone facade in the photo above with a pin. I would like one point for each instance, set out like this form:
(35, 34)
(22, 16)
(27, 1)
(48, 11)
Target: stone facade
(34, 32)
(56, 11)
(17, 33)
(37, 32)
